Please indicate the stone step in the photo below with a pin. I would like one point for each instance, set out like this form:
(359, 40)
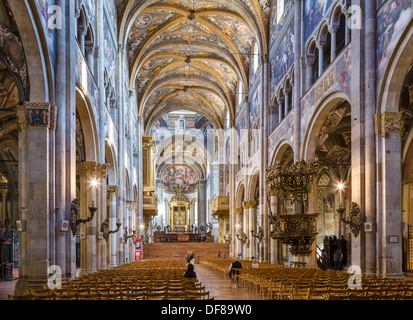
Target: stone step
(180, 250)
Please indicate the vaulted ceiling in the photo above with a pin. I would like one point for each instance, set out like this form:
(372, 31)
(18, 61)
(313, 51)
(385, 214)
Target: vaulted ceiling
(191, 54)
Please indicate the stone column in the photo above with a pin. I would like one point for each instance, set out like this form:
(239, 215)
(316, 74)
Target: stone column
(4, 208)
(389, 127)
(34, 192)
(113, 194)
(287, 91)
(357, 134)
(202, 203)
(102, 215)
(89, 175)
(298, 22)
(369, 140)
(273, 243)
(252, 226)
(246, 229)
(309, 78)
(347, 29)
(238, 230)
(320, 46)
(280, 109)
(333, 32)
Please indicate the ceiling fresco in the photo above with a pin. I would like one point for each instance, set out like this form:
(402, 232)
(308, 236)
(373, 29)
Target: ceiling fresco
(191, 52)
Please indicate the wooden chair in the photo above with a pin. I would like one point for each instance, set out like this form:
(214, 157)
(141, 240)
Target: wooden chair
(195, 295)
(20, 298)
(155, 295)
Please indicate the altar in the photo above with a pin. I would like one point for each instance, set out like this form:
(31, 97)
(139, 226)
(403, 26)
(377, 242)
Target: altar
(179, 213)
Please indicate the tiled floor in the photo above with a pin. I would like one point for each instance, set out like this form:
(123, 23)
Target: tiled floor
(220, 288)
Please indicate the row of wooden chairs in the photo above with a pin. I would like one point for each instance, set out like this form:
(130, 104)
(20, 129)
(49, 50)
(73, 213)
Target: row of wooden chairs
(282, 283)
(141, 280)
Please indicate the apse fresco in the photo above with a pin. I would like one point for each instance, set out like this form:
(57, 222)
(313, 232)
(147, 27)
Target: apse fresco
(392, 20)
(315, 10)
(180, 176)
(283, 58)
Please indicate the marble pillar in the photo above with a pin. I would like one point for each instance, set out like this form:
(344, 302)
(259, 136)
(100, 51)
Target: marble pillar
(238, 231)
(113, 194)
(34, 192)
(202, 207)
(389, 127)
(90, 176)
(246, 230)
(369, 133)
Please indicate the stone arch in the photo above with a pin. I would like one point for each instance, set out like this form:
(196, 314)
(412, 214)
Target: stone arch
(390, 87)
(253, 184)
(110, 155)
(89, 125)
(38, 62)
(280, 149)
(240, 195)
(321, 111)
(128, 193)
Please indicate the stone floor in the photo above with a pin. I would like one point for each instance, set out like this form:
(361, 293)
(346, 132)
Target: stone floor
(7, 287)
(219, 288)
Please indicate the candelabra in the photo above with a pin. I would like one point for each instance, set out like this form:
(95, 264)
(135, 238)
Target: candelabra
(356, 218)
(76, 220)
(259, 235)
(227, 238)
(126, 236)
(104, 228)
(243, 238)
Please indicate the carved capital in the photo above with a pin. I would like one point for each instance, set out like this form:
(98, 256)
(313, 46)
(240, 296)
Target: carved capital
(389, 122)
(102, 171)
(238, 211)
(273, 192)
(112, 191)
(88, 170)
(38, 114)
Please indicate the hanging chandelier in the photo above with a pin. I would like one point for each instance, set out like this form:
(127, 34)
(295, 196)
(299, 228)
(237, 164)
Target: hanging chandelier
(296, 230)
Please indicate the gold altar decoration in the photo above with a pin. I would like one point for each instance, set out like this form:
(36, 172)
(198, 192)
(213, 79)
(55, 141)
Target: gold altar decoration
(179, 212)
(296, 230)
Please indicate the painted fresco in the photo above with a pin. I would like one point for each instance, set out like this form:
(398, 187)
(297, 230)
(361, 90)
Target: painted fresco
(242, 124)
(285, 131)
(88, 83)
(180, 176)
(315, 10)
(255, 106)
(276, 27)
(392, 20)
(11, 47)
(336, 78)
(283, 58)
(109, 50)
(111, 10)
(91, 12)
